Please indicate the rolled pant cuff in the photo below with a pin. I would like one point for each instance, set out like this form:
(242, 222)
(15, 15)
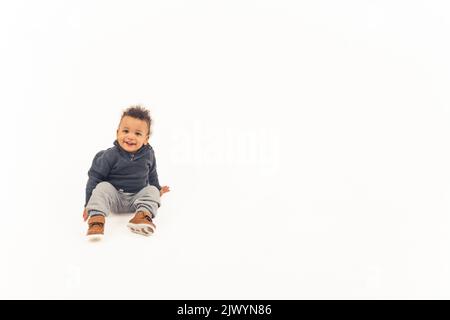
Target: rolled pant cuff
(95, 213)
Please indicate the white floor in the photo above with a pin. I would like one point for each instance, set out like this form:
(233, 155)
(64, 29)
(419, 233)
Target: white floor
(211, 244)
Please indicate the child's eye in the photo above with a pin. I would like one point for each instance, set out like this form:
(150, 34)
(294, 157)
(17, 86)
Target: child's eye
(125, 131)
(138, 134)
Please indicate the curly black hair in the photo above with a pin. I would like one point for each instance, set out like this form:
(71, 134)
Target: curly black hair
(138, 112)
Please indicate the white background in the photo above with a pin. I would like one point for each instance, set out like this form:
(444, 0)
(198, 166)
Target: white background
(306, 145)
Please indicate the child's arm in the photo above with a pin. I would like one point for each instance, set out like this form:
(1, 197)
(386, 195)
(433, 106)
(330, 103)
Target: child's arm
(153, 178)
(153, 175)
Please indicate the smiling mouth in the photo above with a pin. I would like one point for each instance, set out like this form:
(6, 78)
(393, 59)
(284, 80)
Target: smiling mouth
(129, 144)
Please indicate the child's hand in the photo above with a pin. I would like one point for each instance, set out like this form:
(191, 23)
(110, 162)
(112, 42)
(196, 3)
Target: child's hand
(164, 189)
(85, 214)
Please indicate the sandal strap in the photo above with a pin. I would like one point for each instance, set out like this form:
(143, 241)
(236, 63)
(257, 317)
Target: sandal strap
(99, 219)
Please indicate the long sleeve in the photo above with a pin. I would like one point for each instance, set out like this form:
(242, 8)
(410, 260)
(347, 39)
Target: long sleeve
(98, 172)
(153, 175)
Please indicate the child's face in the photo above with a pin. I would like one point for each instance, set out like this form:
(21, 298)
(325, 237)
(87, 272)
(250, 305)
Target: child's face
(132, 134)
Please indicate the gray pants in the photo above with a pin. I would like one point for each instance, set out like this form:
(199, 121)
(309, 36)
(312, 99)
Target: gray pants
(106, 198)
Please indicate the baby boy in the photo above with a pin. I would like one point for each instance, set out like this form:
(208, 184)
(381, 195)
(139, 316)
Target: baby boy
(123, 178)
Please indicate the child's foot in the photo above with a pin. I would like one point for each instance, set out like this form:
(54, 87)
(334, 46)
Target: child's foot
(142, 224)
(96, 227)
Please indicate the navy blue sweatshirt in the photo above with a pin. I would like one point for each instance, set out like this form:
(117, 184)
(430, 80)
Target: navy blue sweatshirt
(129, 172)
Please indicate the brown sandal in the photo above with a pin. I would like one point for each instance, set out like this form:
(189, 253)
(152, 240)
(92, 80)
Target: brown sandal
(142, 224)
(96, 227)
